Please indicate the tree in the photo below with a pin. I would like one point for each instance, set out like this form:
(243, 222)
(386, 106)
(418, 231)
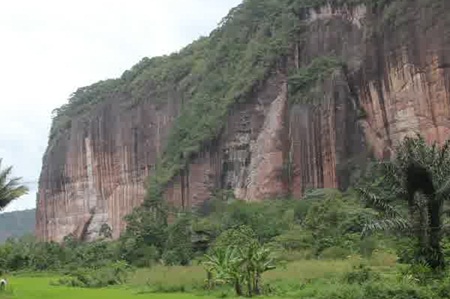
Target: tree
(224, 265)
(10, 188)
(409, 195)
(239, 266)
(178, 248)
(241, 236)
(145, 236)
(258, 259)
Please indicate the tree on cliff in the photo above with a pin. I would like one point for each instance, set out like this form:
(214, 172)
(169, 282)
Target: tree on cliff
(409, 194)
(10, 187)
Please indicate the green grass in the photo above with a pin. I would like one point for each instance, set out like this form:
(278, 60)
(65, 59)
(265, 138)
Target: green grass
(22, 287)
(304, 276)
(163, 279)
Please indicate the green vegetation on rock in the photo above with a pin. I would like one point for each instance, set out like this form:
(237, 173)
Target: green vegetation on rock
(212, 74)
(304, 84)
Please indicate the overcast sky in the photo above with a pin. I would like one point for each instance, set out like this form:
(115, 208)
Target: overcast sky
(49, 48)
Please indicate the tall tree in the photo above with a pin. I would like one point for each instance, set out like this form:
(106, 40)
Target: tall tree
(11, 188)
(409, 194)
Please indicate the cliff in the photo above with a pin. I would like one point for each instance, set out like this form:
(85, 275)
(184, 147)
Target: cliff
(283, 96)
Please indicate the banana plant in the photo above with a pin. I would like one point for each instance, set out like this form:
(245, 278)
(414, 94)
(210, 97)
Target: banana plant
(239, 267)
(258, 259)
(262, 262)
(224, 265)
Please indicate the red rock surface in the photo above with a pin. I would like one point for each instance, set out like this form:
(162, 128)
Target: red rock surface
(396, 83)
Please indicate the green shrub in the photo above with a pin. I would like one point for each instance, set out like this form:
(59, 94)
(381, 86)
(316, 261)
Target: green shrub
(178, 248)
(113, 274)
(417, 272)
(341, 292)
(360, 274)
(242, 237)
(295, 239)
(379, 290)
(442, 288)
(306, 79)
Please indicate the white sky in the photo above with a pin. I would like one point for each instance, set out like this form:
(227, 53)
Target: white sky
(49, 48)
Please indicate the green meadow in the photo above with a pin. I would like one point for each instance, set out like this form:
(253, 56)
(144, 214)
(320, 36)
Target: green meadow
(24, 287)
(188, 282)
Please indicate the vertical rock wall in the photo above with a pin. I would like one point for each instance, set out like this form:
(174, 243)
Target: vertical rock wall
(395, 83)
(98, 168)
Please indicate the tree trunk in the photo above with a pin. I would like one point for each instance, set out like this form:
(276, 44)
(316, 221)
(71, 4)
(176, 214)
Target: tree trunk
(422, 230)
(418, 217)
(238, 288)
(209, 279)
(249, 283)
(435, 256)
(258, 283)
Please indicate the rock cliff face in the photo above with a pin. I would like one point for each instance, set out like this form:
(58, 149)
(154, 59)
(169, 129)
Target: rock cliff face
(395, 82)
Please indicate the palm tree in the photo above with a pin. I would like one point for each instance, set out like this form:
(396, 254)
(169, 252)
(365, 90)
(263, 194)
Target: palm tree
(410, 193)
(10, 188)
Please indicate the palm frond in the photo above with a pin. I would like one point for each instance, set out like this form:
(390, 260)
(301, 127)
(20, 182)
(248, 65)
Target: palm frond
(4, 175)
(444, 190)
(398, 224)
(10, 188)
(377, 202)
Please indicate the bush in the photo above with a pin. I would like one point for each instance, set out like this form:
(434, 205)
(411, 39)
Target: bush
(417, 272)
(396, 291)
(114, 274)
(242, 236)
(442, 290)
(342, 292)
(178, 247)
(360, 274)
(295, 239)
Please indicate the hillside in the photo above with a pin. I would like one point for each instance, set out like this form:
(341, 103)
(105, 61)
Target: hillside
(285, 95)
(17, 224)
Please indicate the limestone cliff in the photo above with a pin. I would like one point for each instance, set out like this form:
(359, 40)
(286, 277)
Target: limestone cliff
(279, 138)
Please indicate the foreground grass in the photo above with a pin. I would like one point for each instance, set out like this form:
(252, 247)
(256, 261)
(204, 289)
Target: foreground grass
(39, 287)
(299, 278)
(161, 279)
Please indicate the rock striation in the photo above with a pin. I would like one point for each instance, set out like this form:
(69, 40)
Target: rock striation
(395, 82)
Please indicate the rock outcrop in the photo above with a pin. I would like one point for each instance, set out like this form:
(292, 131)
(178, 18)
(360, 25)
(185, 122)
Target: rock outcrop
(395, 82)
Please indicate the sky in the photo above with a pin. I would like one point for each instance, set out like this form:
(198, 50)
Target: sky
(50, 48)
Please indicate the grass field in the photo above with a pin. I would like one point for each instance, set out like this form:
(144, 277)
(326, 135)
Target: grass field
(184, 282)
(39, 287)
